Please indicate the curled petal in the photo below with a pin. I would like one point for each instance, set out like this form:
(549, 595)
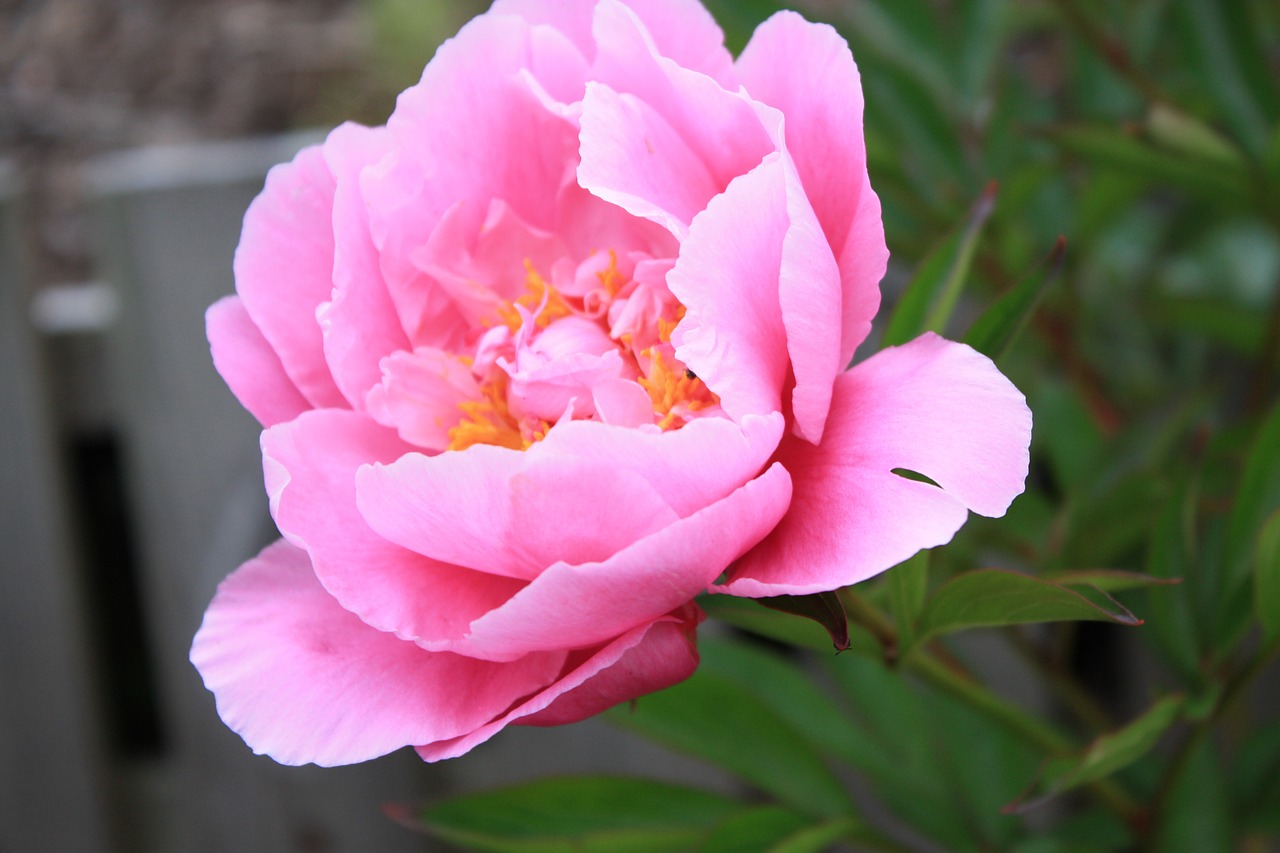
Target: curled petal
(248, 364)
(931, 407)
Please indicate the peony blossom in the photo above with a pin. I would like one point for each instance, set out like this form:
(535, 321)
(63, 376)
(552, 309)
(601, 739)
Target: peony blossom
(560, 347)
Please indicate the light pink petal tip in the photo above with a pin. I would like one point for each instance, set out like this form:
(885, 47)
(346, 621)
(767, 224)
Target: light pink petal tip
(932, 407)
(305, 681)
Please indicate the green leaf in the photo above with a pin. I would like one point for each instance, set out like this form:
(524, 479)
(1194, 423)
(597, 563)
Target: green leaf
(1228, 60)
(1257, 496)
(997, 328)
(1182, 133)
(1108, 580)
(754, 830)
(1197, 811)
(1106, 146)
(991, 597)
(1170, 555)
(1266, 578)
(711, 717)
(581, 814)
(929, 298)
(1106, 755)
(789, 691)
(815, 839)
(744, 613)
(822, 607)
(907, 585)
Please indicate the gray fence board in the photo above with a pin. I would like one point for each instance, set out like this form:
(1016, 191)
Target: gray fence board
(51, 797)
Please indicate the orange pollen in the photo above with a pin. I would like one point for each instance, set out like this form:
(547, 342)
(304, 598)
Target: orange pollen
(489, 421)
(539, 296)
(610, 278)
(674, 391)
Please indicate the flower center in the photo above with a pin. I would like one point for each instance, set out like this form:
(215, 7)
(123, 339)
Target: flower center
(593, 343)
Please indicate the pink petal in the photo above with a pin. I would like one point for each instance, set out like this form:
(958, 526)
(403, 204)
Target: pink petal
(621, 402)
(807, 72)
(305, 681)
(732, 334)
(720, 127)
(642, 661)
(930, 406)
(689, 468)
(420, 394)
(311, 466)
(809, 292)
(284, 269)
(681, 29)
(248, 364)
(632, 158)
(361, 326)
(509, 512)
(570, 606)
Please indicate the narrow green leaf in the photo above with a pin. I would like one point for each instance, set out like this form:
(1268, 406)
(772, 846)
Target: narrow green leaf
(1224, 50)
(1169, 555)
(584, 814)
(1182, 133)
(1266, 578)
(713, 718)
(822, 607)
(996, 329)
(930, 297)
(1106, 146)
(1257, 496)
(1106, 755)
(991, 597)
(908, 585)
(754, 830)
(1108, 580)
(815, 839)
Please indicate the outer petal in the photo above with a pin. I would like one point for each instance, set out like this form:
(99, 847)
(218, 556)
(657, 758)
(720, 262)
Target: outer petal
(642, 661)
(577, 606)
(509, 512)
(931, 406)
(732, 334)
(284, 269)
(807, 72)
(361, 325)
(311, 466)
(304, 681)
(249, 365)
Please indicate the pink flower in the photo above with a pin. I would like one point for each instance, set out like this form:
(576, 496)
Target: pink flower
(560, 347)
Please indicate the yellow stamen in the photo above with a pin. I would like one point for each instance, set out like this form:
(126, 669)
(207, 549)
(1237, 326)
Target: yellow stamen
(539, 296)
(673, 390)
(610, 278)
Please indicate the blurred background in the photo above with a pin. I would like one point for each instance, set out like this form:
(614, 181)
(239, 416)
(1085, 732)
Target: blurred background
(133, 133)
